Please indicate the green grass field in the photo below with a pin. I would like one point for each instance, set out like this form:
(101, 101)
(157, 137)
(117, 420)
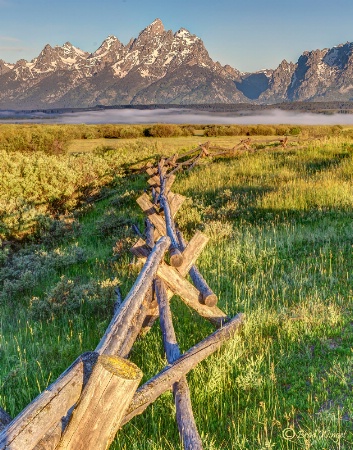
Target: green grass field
(280, 251)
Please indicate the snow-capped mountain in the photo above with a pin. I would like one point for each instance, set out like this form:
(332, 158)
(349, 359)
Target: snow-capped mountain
(158, 66)
(162, 66)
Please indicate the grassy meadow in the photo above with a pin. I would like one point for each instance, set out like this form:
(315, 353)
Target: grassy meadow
(280, 251)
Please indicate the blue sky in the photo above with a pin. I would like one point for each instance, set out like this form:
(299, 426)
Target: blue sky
(248, 35)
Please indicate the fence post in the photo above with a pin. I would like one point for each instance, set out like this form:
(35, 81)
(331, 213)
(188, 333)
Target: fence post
(102, 405)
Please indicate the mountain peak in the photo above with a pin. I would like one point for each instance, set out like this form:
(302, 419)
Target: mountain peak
(68, 45)
(109, 42)
(109, 50)
(70, 49)
(182, 32)
(156, 27)
(184, 35)
(46, 50)
(161, 66)
(111, 38)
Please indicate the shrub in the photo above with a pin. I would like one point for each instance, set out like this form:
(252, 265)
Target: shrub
(163, 130)
(53, 231)
(129, 132)
(36, 184)
(72, 296)
(295, 131)
(24, 270)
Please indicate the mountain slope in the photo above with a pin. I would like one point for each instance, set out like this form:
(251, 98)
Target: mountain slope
(160, 66)
(318, 75)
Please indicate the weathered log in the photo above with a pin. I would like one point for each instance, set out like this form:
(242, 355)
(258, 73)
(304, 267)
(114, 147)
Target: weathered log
(50, 408)
(190, 152)
(136, 230)
(119, 299)
(171, 346)
(176, 258)
(140, 249)
(151, 171)
(162, 161)
(180, 286)
(184, 415)
(185, 418)
(205, 149)
(148, 208)
(52, 436)
(142, 323)
(102, 405)
(152, 312)
(164, 380)
(190, 295)
(246, 143)
(190, 253)
(192, 250)
(171, 161)
(5, 419)
(138, 325)
(151, 316)
(284, 142)
(149, 232)
(196, 160)
(118, 328)
(175, 201)
(182, 165)
(169, 182)
(154, 196)
(154, 181)
(51, 439)
(208, 297)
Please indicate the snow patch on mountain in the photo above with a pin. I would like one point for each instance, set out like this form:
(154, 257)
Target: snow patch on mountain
(163, 66)
(330, 57)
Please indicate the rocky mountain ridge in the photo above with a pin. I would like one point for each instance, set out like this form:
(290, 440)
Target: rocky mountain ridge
(162, 67)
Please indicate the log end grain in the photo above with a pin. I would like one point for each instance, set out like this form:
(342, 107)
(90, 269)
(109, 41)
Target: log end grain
(210, 300)
(102, 405)
(123, 368)
(176, 258)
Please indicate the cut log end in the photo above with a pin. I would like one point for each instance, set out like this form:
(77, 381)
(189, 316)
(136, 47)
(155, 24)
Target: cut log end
(176, 258)
(102, 405)
(120, 367)
(210, 300)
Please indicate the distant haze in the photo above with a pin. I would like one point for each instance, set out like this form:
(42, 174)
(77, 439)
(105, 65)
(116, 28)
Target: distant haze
(179, 116)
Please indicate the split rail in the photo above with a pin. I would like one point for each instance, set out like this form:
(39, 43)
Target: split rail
(99, 393)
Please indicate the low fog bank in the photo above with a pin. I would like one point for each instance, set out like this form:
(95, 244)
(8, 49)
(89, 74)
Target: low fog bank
(178, 116)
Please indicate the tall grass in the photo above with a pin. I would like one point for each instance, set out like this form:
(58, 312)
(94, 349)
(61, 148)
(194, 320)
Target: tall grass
(280, 250)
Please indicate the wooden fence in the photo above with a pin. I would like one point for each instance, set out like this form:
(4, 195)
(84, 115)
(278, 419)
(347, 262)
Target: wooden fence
(87, 405)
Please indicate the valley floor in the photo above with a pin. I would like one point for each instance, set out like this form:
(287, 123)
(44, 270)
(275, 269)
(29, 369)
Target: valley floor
(280, 251)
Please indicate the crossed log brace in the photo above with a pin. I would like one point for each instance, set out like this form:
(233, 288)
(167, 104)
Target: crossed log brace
(98, 393)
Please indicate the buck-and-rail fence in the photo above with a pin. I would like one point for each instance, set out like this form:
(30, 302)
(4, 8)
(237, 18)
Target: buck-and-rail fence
(99, 393)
